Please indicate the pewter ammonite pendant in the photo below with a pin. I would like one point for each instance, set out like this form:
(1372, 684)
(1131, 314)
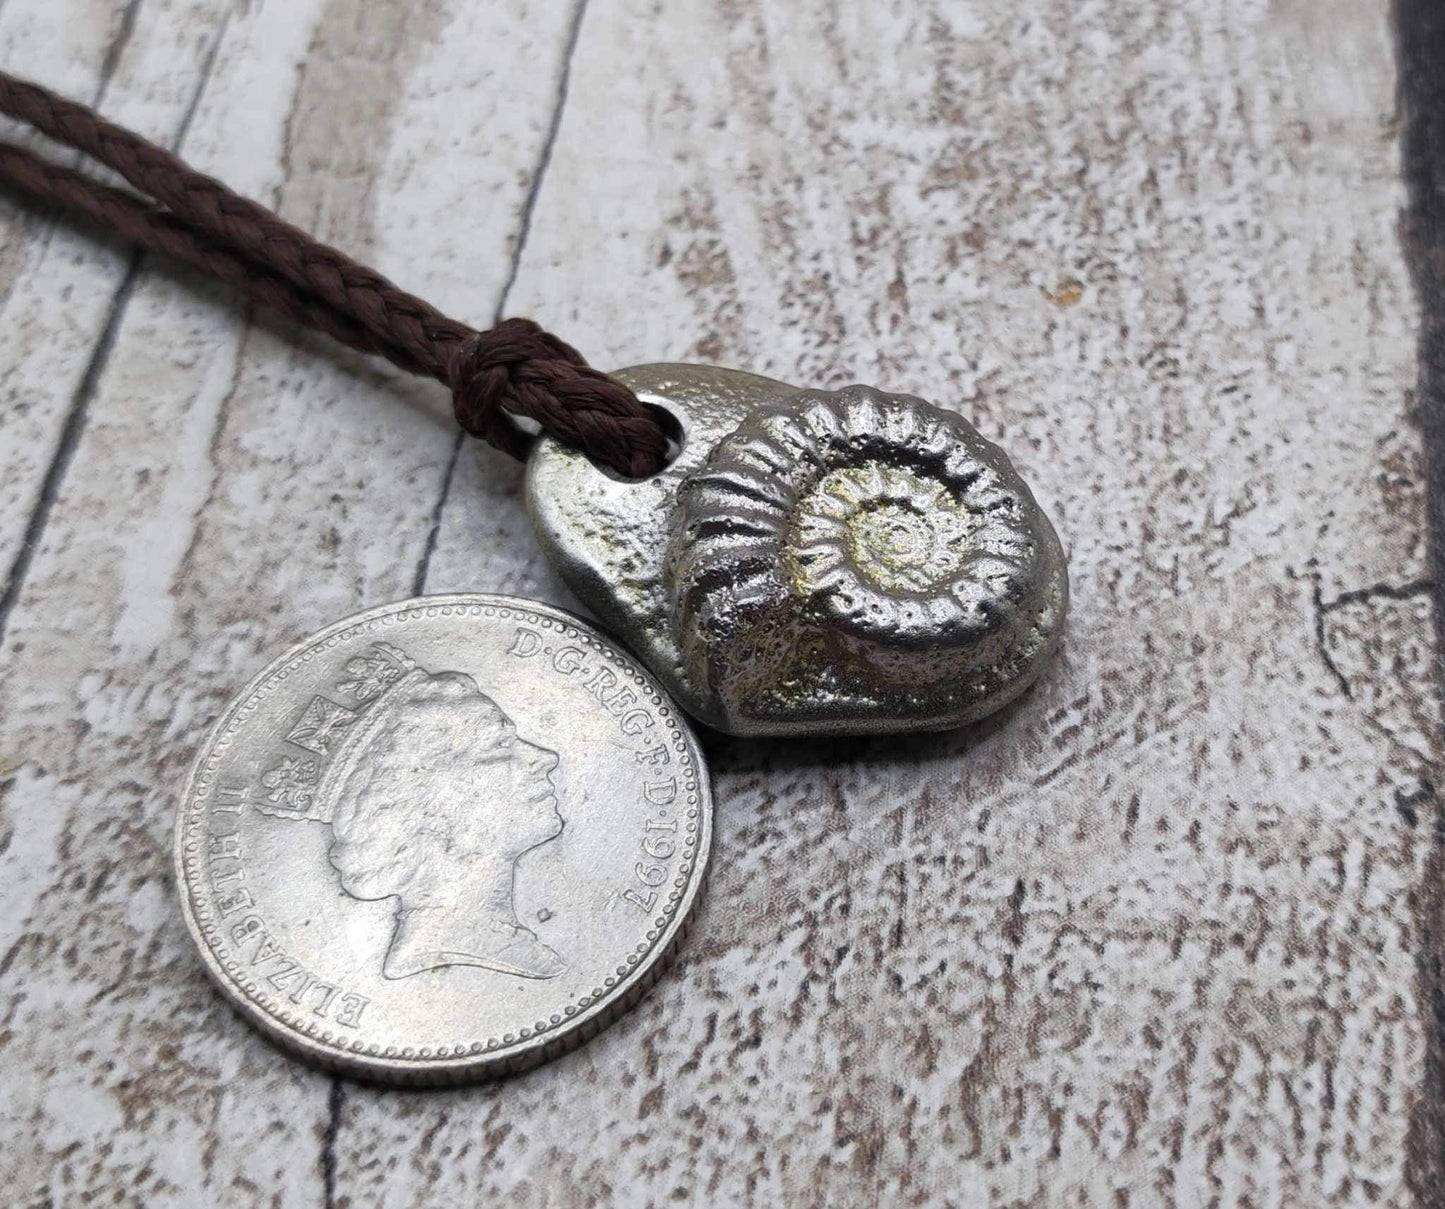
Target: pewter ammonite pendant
(813, 561)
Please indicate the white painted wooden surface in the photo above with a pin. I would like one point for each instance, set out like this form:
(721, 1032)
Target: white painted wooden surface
(1150, 937)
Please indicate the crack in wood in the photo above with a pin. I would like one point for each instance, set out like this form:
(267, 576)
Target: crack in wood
(1378, 591)
(1372, 592)
(519, 245)
(45, 224)
(78, 412)
(1322, 646)
(423, 565)
(114, 51)
(328, 1142)
(65, 448)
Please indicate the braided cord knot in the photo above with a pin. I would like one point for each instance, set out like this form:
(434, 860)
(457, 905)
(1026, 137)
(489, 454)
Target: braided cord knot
(519, 369)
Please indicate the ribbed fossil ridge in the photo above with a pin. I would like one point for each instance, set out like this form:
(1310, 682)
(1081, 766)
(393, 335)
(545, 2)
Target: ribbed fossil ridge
(840, 548)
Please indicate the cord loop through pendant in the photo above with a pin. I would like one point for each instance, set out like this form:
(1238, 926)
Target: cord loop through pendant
(519, 369)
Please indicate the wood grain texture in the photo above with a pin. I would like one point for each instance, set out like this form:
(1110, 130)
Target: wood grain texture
(1149, 937)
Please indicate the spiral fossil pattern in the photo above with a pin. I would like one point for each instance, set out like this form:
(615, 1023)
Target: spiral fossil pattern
(849, 552)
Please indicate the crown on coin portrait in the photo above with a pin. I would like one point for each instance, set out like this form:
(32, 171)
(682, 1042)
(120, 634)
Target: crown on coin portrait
(333, 736)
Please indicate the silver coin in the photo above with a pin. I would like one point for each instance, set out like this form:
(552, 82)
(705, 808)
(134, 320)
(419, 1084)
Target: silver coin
(444, 839)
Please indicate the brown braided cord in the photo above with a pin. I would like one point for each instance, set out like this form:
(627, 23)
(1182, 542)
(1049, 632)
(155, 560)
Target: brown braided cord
(134, 221)
(519, 362)
(515, 368)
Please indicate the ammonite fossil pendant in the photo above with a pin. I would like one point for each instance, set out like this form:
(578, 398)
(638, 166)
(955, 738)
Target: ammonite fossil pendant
(812, 562)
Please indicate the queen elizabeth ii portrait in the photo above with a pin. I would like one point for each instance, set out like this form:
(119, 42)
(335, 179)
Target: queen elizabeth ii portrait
(432, 797)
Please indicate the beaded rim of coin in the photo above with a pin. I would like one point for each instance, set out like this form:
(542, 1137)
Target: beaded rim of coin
(483, 1057)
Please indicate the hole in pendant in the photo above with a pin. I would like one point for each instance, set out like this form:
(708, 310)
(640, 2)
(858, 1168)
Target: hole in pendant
(676, 441)
(672, 429)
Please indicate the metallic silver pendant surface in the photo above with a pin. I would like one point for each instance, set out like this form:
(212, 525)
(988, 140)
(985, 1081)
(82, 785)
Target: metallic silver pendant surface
(812, 562)
(443, 839)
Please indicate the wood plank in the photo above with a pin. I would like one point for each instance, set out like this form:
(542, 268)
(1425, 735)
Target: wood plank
(232, 488)
(1151, 934)
(1149, 937)
(59, 286)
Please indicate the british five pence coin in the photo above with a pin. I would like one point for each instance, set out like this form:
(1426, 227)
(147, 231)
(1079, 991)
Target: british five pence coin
(443, 840)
